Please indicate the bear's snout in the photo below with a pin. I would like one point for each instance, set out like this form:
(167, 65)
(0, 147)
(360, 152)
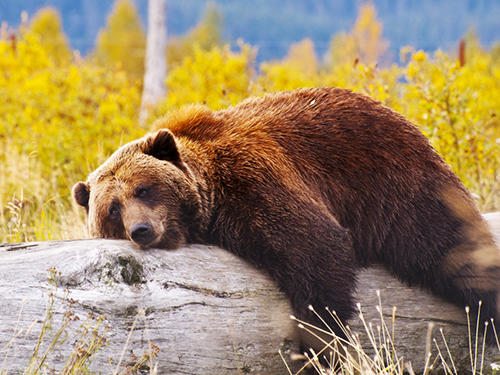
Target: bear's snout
(141, 233)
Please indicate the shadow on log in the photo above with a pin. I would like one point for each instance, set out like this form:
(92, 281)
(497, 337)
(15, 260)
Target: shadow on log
(208, 311)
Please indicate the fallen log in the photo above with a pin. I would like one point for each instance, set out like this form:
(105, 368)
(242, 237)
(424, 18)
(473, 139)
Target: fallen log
(208, 311)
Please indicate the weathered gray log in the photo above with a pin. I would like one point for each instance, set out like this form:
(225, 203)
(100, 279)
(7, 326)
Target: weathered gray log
(208, 311)
(419, 317)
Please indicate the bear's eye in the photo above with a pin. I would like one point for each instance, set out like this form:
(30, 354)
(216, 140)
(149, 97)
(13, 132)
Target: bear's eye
(142, 192)
(113, 212)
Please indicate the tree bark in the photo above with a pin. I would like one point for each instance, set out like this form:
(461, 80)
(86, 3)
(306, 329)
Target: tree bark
(208, 311)
(156, 64)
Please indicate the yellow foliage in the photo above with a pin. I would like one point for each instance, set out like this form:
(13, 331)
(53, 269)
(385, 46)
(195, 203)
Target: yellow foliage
(123, 41)
(342, 50)
(367, 34)
(217, 78)
(276, 76)
(47, 26)
(369, 79)
(60, 121)
(364, 43)
(204, 35)
(65, 119)
(302, 56)
(299, 69)
(457, 108)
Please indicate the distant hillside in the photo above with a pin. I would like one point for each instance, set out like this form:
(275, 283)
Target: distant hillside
(274, 24)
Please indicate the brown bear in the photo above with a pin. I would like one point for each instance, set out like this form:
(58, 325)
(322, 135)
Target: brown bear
(309, 185)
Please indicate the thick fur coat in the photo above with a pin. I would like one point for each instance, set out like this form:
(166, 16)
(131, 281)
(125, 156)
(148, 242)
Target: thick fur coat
(309, 185)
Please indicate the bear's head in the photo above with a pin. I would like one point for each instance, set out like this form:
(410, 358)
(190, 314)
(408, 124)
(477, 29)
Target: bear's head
(144, 192)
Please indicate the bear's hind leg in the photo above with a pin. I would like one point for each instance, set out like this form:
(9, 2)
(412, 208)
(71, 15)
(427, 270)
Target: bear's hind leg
(470, 274)
(456, 258)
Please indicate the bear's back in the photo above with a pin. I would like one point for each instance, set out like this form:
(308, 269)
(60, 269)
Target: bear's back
(324, 128)
(370, 167)
(318, 134)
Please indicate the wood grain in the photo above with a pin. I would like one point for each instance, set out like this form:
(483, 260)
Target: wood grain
(207, 310)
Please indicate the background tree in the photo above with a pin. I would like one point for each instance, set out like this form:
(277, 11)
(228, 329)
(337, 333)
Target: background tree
(495, 53)
(298, 69)
(156, 66)
(302, 56)
(205, 35)
(473, 48)
(364, 43)
(123, 40)
(46, 25)
(217, 78)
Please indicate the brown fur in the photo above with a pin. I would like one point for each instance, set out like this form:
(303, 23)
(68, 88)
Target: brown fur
(309, 185)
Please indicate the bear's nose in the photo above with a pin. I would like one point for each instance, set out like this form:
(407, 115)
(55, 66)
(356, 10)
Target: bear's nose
(140, 233)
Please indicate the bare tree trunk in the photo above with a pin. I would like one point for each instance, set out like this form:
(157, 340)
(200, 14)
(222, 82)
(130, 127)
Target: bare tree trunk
(156, 65)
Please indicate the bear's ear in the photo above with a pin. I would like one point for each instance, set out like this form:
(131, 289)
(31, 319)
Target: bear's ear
(162, 146)
(81, 194)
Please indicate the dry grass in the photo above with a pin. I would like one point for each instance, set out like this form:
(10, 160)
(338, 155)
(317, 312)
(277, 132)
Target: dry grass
(348, 357)
(32, 209)
(87, 340)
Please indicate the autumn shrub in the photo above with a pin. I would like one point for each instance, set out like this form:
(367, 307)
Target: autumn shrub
(217, 78)
(46, 25)
(457, 108)
(381, 84)
(60, 121)
(298, 69)
(122, 41)
(56, 125)
(204, 36)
